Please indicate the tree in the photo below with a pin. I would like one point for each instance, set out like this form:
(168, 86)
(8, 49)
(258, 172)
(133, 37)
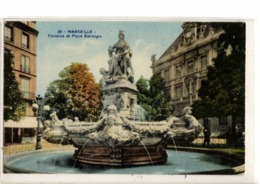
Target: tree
(154, 98)
(75, 94)
(14, 105)
(161, 100)
(144, 97)
(144, 94)
(223, 93)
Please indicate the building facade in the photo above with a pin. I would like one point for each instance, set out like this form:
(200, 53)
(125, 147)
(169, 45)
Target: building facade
(184, 66)
(20, 39)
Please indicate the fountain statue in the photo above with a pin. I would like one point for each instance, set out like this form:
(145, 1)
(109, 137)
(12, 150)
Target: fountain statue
(122, 136)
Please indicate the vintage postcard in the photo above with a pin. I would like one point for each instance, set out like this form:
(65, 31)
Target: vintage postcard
(126, 101)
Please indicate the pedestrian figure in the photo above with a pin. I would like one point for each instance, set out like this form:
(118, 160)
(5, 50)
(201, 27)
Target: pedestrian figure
(206, 137)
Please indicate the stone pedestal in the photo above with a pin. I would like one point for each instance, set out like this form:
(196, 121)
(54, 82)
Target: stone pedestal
(123, 94)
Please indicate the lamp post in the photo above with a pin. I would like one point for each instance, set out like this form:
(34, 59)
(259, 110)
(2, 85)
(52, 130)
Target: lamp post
(39, 109)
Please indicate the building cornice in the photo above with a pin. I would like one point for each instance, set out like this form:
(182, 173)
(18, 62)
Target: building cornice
(23, 27)
(185, 49)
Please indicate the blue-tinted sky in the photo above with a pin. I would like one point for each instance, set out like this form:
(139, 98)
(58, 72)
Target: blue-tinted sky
(144, 38)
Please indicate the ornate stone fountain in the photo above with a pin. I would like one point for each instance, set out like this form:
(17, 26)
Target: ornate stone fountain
(121, 137)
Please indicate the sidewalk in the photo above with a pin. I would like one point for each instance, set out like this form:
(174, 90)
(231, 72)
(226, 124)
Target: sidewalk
(15, 148)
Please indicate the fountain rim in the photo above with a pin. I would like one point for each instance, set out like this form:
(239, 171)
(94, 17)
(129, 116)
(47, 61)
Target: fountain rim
(232, 170)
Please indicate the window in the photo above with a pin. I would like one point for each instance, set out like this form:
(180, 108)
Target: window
(8, 33)
(190, 67)
(204, 62)
(9, 53)
(25, 64)
(178, 91)
(25, 40)
(25, 87)
(167, 75)
(191, 88)
(177, 71)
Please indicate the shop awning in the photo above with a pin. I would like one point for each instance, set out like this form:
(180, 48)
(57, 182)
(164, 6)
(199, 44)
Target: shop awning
(27, 122)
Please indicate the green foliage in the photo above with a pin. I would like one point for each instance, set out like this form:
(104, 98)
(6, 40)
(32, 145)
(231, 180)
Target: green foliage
(144, 94)
(223, 93)
(75, 94)
(154, 98)
(234, 35)
(157, 85)
(14, 105)
(205, 108)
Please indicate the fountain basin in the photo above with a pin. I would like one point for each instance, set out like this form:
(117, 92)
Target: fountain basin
(116, 141)
(179, 162)
(122, 156)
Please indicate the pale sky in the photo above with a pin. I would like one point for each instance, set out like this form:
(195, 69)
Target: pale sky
(54, 54)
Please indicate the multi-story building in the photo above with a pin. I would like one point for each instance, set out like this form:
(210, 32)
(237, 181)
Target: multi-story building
(184, 66)
(20, 39)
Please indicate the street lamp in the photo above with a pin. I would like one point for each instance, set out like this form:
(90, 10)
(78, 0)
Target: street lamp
(39, 110)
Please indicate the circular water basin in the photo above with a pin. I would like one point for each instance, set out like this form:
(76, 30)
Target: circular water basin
(61, 161)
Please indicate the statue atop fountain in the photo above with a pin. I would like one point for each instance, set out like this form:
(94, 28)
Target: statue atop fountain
(122, 136)
(118, 86)
(120, 64)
